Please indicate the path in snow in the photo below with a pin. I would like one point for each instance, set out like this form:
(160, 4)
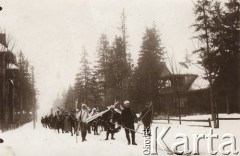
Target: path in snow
(44, 142)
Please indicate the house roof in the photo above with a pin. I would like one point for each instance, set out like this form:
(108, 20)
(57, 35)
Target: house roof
(186, 68)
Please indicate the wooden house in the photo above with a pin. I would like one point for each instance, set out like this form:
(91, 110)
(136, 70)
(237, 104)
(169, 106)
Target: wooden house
(176, 83)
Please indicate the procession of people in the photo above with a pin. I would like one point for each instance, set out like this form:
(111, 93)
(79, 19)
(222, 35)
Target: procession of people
(111, 121)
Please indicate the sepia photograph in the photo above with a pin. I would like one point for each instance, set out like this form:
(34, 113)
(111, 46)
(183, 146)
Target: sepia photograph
(119, 77)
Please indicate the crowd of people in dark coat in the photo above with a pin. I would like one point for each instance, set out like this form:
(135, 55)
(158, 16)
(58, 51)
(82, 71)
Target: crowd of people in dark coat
(62, 122)
(73, 122)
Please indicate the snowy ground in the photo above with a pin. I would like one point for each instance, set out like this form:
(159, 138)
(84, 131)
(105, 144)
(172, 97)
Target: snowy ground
(44, 142)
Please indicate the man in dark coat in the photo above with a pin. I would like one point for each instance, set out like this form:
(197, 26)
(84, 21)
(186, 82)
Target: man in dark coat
(72, 123)
(128, 117)
(111, 118)
(59, 121)
(146, 115)
(66, 122)
(94, 123)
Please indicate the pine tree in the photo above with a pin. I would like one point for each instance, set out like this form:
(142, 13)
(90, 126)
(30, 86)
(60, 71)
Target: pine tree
(203, 11)
(218, 31)
(83, 78)
(26, 91)
(226, 42)
(102, 70)
(95, 92)
(114, 66)
(127, 58)
(70, 99)
(120, 68)
(148, 69)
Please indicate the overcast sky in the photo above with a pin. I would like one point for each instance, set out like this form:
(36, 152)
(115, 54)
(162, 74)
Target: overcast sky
(51, 33)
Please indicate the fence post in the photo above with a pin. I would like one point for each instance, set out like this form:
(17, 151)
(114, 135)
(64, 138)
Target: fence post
(168, 118)
(209, 121)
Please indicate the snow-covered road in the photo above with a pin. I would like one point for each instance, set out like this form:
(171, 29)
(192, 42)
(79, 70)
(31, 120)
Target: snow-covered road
(44, 142)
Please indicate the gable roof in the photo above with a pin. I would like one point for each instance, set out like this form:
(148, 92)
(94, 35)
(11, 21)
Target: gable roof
(187, 69)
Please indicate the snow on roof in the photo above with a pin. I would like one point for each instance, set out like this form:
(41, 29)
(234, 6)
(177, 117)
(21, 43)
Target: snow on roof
(199, 83)
(188, 68)
(185, 68)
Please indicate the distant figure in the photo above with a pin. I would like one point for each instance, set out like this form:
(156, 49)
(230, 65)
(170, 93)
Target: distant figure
(146, 115)
(67, 125)
(72, 122)
(46, 121)
(95, 122)
(50, 121)
(59, 121)
(128, 117)
(42, 121)
(83, 121)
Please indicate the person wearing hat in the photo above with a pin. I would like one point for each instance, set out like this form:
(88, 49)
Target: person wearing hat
(128, 117)
(83, 121)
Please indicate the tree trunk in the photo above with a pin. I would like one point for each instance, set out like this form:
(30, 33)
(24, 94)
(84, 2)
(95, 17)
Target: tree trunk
(209, 74)
(238, 100)
(212, 107)
(227, 104)
(179, 110)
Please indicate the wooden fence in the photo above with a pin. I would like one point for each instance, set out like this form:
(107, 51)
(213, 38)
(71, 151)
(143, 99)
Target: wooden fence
(208, 121)
(228, 118)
